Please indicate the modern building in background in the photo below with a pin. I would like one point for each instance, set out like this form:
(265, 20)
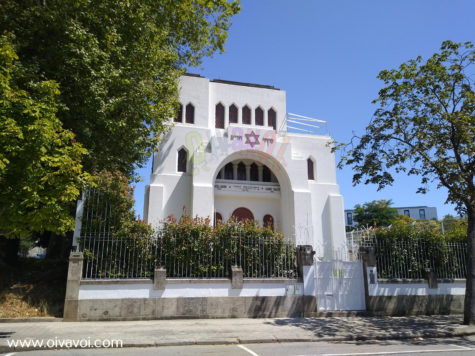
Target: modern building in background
(415, 212)
(234, 151)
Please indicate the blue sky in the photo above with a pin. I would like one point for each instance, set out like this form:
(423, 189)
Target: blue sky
(326, 56)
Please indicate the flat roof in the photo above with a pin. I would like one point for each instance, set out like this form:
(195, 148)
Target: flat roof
(232, 82)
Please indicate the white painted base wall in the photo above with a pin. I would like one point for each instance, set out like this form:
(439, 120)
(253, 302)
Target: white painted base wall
(391, 290)
(176, 290)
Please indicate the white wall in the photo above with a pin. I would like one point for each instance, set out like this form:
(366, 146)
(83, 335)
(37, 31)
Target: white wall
(184, 289)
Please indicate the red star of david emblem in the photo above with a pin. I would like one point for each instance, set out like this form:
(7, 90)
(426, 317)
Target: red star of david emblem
(255, 139)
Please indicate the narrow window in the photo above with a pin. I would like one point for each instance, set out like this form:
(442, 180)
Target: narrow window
(349, 218)
(271, 119)
(266, 174)
(407, 213)
(269, 222)
(190, 114)
(233, 114)
(218, 218)
(310, 172)
(228, 171)
(241, 171)
(259, 117)
(254, 172)
(182, 158)
(179, 115)
(246, 115)
(219, 116)
(422, 214)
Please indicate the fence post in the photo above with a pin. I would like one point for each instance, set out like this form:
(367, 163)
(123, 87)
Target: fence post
(159, 278)
(368, 258)
(431, 277)
(236, 277)
(306, 268)
(71, 301)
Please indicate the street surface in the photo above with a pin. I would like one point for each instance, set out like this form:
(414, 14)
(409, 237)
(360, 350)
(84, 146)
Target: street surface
(438, 347)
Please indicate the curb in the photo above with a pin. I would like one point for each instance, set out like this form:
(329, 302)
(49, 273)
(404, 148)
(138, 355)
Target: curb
(30, 320)
(396, 336)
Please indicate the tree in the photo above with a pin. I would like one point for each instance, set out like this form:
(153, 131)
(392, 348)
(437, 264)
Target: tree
(40, 162)
(116, 63)
(375, 213)
(425, 125)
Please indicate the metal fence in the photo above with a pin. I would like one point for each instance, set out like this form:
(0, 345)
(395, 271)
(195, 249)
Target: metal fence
(259, 257)
(409, 259)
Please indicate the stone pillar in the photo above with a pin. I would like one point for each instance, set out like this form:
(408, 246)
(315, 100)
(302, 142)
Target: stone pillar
(306, 268)
(160, 278)
(260, 170)
(248, 172)
(235, 175)
(431, 277)
(236, 277)
(71, 302)
(368, 258)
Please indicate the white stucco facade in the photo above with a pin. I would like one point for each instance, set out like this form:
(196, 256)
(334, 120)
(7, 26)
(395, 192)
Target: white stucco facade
(247, 165)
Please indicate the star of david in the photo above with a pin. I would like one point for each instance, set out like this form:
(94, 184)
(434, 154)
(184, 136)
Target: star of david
(255, 140)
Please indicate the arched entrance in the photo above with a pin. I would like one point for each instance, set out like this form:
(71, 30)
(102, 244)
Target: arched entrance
(243, 214)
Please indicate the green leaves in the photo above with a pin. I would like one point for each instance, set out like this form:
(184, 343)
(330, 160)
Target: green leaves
(40, 163)
(425, 125)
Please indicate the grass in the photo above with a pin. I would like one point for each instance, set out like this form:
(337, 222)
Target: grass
(33, 288)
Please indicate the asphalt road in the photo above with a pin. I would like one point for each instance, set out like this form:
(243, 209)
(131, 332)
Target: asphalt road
(438, 347)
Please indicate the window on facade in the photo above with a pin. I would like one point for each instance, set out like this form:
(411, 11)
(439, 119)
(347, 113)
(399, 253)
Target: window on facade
(269, 221)
(190, 114)
(310, 169)
(233, 114)
(219, 176)
(266, 174)
(228, 171)
(218, 218)
(349, 218)
(272, 119)
(179, 115)
(182, 158)
(422, 214)
(259, 117)
(407, 213)
(254, 172)
(219, 117)
(241, 171)
(246, 115)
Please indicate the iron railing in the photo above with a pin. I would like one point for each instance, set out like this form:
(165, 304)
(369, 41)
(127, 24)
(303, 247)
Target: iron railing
(410, 259)
(108, 257)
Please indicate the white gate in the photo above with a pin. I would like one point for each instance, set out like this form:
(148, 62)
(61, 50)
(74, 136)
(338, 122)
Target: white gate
(339, 285)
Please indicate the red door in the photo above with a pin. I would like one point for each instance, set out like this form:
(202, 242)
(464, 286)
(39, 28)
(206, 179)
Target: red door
(243, 214)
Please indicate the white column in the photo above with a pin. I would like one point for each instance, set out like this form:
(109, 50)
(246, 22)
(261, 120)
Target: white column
(248, 172)
(235, 175)
(260, 169)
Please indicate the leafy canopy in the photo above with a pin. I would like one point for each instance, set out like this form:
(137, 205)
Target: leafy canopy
(116, 63)
(40, 162)
(425, 125)
(375, 213)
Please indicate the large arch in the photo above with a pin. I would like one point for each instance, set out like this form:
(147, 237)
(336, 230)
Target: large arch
(286, 223)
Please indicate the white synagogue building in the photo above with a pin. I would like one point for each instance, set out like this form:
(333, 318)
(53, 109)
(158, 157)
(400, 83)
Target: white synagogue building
(234, 150)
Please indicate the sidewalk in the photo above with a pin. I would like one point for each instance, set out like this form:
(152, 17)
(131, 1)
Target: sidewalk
(234, 331)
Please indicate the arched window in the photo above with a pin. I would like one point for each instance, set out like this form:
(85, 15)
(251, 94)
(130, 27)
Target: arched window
(228, 171)
(310, 169)
(272, 119)
(190, 114)
(233, 114)
(219, 116)
(243, 214)
(179, 115)
(182, 158)
(219, 176)
(241, 171)
(269, 222)
(259, 117)
(254, 172)
(246, 115)
(266, 174)
(218, 218)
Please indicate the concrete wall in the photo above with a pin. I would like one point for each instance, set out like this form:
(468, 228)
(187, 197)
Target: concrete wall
(205, 307)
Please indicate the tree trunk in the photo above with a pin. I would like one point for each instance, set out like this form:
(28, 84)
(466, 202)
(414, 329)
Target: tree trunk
(469, 312)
